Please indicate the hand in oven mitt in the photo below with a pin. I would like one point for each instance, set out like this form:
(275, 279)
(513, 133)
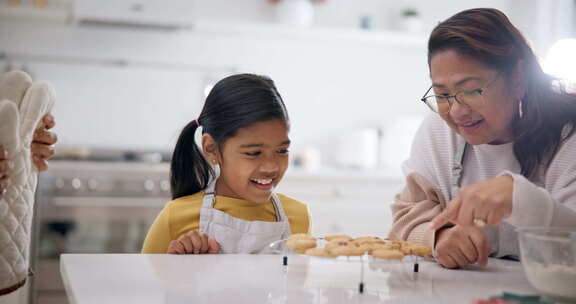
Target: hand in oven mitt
(23, 103)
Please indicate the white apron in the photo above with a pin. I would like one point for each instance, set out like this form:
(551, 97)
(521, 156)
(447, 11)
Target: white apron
(235, 235)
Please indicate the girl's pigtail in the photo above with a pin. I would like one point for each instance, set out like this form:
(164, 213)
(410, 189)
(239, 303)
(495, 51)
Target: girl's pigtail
(189, 171)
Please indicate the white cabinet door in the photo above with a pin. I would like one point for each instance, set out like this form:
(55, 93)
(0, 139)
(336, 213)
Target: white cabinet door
(353, 205)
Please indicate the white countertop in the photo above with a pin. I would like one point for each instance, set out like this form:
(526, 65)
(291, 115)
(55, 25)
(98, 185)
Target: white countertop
(138, 278)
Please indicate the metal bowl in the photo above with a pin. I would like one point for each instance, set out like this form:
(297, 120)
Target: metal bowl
(549, 260)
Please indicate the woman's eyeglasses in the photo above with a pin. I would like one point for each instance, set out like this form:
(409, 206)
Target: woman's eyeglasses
(441, 104)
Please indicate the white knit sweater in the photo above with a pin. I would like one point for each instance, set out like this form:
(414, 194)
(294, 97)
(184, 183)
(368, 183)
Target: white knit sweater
(550, 201)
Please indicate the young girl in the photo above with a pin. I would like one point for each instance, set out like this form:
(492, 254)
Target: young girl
(223, 199)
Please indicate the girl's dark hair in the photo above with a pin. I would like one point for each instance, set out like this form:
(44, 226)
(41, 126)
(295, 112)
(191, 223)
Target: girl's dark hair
(487, 35)
(234, 102)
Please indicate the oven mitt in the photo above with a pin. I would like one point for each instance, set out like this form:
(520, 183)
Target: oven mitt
(23, 103)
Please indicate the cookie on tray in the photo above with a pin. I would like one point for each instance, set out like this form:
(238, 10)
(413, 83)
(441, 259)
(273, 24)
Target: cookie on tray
(409, 248)
(337, 243)
(319, 252)
(387, 254)
(368, 240)
(300, 242)
(338, 237)
(350, 250)
(369, 247)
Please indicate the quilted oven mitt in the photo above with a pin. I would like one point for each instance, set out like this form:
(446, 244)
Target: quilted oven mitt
(22, 105)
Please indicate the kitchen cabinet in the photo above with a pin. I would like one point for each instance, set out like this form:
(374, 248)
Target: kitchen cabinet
(355, 203)
(171, 14)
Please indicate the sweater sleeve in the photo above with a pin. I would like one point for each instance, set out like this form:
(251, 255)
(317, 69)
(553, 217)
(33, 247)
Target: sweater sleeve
(551, 205)
(414, 208)
(422, 198)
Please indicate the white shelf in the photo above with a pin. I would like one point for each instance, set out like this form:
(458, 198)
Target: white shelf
(60, 12)
(270, 30)
(56, 11)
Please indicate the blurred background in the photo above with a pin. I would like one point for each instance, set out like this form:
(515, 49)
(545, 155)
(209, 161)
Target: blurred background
(129, 74)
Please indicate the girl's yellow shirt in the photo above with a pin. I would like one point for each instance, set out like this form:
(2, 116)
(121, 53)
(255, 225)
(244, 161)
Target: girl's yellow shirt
(182, 215)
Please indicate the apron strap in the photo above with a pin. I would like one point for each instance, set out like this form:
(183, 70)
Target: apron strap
(280, 214)
(458, 165)
(208, 201)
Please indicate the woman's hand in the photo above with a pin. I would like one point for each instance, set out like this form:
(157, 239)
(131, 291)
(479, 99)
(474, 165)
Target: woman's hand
(485, 203)
(193, 242)
(461, 245)
(42, 144)
(5, 165)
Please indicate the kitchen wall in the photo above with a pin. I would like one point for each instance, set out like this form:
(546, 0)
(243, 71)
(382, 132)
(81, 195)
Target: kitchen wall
(337, 81)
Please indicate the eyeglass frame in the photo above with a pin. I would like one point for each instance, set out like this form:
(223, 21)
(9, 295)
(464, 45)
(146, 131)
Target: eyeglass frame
(448, 97)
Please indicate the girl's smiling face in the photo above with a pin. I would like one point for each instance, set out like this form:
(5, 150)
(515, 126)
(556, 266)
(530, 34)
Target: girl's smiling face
(491, 123)
(252, 162)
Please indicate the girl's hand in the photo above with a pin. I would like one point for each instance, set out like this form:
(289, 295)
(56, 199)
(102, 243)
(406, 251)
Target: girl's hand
(485, 203)
(5, 166)
(42, 143)
(193, 242)
(461, 245)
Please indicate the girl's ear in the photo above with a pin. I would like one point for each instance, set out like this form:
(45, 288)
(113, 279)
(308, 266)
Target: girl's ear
(210, 149)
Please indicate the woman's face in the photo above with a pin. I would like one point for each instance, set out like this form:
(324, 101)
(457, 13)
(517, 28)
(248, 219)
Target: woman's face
(253, 161)
(491, 122)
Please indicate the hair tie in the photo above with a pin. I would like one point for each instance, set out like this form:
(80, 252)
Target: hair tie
(197, 123)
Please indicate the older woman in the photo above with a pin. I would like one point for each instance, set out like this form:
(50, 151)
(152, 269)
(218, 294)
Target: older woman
(499, 151)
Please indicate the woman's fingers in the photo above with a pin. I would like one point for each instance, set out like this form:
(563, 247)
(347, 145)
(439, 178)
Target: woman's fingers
(43, 136)
(461, 245)
(460, 258)
(42, 150)
(484, 203)
(485, 252)
(470, 251)
(40, 163)
(469, 209)
(41, 153)
(447, 261)
(492, 219)
(447, 214)
(42, 142)
(5, 166)
(48, 121)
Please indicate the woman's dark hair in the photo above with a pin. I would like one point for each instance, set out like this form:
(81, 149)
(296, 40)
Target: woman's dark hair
(234, 102)
(487, 35)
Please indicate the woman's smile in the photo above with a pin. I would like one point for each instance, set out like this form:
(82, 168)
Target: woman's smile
(470, 126)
